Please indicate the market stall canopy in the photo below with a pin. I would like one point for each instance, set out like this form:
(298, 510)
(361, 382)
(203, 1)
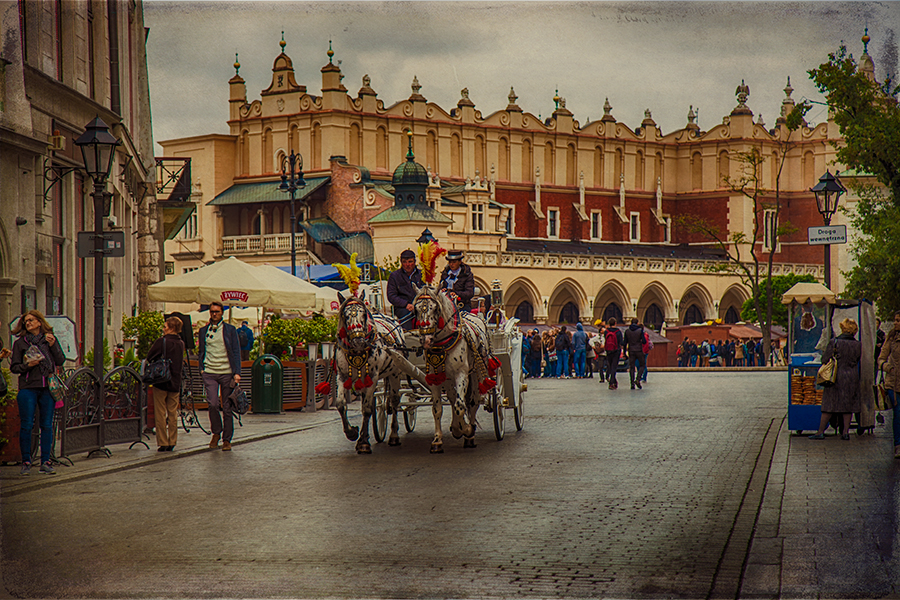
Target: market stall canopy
(234, 282)
(802, 293)
(326, 297)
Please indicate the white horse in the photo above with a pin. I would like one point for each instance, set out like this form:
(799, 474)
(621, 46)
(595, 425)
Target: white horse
(458, 362)
(363, 356)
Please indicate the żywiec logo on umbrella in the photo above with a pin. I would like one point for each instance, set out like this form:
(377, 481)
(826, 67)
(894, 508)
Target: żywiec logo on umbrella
(234, 295)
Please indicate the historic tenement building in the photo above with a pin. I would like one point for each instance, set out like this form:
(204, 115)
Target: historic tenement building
(62, 64)
(577, 220)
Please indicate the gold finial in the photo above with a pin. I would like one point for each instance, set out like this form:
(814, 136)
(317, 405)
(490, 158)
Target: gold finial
(865, 41)
(330, 52)
(556, 98)
(282, 43)
(409, 153)
(237, 65)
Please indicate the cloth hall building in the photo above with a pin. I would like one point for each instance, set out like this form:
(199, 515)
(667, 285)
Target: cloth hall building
(577, 221)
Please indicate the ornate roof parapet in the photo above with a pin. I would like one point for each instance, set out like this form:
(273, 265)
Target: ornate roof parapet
(742, 92)
(237, 71)
(366, 89)
(464, 99)
(561, 108)
(331, 74)
(692, 117)
(866, 64)
(607, 113)
(512, 106)
(416, 96)
(283, 81)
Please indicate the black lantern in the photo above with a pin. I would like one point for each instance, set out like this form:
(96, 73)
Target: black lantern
(291, 181)
(426, 237)
(828, 191)
(98, 147)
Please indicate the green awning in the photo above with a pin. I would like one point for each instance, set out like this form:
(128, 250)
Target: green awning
(255, 193)
(173, 216)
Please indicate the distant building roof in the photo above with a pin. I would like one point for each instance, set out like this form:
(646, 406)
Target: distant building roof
(267, 191)
(410, 212)
(605, 249)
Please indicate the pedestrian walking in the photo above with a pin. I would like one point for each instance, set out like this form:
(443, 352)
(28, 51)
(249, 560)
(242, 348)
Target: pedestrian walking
(634, 345)
(598, 342)
(220, 365)
(245, 339)
(35, 356)
(648, 346)
(562, 353)
(549, 342)
(889, 360)
(167, 395)
(579, 349)
(843, 396)
(536, 353)
(590, 356)
(613, 341)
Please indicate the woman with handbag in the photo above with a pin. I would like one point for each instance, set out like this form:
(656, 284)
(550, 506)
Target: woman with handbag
(35, 356)
(889, 362)
(842, 397)
(167, 394)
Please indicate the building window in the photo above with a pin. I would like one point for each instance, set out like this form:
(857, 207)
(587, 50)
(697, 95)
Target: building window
(478, 217)
(770, 225)
(596, 226)
(188, 269)
(635, 227)
(170, 267)
(511, 223)
(552, 222)
(189, 231)
(667, 229)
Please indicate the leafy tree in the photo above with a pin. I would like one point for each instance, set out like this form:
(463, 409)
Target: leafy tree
(146, 327)
(739, 244)
(867, 115)
(780, 284)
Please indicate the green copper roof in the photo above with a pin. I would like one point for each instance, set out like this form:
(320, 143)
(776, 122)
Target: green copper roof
(254, 193)
(410, 212)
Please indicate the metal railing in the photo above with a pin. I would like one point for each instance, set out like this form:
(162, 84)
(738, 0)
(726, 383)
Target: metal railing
(274, 243)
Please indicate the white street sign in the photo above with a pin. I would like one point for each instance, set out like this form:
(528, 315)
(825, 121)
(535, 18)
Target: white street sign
(832, 234)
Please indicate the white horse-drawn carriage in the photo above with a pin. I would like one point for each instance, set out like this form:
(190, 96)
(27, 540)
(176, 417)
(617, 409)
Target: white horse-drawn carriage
(451, 358)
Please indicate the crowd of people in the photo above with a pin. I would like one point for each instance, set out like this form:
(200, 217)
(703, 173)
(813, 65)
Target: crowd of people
(730, 353)
(563, 353)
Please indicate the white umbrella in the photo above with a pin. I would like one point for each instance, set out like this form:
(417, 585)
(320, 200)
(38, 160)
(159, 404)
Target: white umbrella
(234, 282)
(234, 314)
(326, 297)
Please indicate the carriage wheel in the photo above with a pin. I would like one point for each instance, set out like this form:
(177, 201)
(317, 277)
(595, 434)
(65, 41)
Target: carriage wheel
(499, 417)
(409, 418)
(519, 413)
(380, 418)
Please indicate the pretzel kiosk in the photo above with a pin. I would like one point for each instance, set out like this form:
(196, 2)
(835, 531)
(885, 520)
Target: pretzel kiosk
(814, 316)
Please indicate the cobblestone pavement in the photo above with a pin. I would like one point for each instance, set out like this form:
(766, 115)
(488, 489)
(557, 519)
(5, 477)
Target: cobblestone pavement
(690, 488)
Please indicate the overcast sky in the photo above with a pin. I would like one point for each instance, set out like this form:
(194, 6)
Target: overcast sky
(662, 56)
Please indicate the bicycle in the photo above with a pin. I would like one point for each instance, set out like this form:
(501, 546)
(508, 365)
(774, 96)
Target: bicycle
(186, 410)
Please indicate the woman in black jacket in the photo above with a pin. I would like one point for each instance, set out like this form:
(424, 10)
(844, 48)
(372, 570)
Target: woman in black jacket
(166, 396)
(842, 397)
(35, 356)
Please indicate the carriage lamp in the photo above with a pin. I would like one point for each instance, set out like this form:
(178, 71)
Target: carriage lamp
(313, 352)
(496, 294)
(327, 350)
(828, 192)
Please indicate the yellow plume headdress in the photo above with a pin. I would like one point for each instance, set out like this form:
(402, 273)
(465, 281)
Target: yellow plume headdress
(349, 273)
(429, 253)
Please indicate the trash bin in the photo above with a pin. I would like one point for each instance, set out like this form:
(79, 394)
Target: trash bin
(267, 384)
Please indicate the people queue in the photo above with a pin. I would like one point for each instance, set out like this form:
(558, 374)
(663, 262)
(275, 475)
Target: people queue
(728, 353)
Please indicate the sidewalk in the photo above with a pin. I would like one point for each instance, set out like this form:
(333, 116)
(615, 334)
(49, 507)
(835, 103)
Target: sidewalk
(255, 427)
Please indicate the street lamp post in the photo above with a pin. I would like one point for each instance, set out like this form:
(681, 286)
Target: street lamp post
(291, 181)
(426, 237)
(828, 191)
(98, 148)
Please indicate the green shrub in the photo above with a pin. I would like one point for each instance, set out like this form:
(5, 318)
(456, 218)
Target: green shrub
(146, 328)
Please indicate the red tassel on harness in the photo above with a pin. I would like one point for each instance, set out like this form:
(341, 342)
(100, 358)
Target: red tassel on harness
(493, 363)
(486, 385)
(436, 378)
(342, 333)
(323, 388)
(347, 384)
(360, 384)
(368, 382)
(441, 322)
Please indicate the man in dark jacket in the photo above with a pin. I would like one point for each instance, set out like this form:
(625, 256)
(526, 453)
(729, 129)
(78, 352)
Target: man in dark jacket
(562, 344)
(400, 291)
(634, 345)
(457, 277)
(220, 364)
(536, 350)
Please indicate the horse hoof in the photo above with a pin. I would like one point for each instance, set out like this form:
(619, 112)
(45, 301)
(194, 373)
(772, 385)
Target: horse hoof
(469, 443)
(457, 434)
(437, 449)
(363, 449)
(352, 434)
(394, 442)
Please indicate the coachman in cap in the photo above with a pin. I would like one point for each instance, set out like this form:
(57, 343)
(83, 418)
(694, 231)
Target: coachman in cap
(400, 290)
(457, 277)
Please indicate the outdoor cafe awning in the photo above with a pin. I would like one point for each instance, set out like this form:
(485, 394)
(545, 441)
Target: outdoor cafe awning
(267, 191)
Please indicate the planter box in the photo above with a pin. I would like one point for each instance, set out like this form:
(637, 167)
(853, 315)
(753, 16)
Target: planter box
(294, 385)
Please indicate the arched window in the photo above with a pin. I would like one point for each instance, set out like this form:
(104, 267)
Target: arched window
(774, 169)
(598, 167)
(256, 227)
(693, 315)
(618, 167)
(455, 155)
(658, 174)
(431, 152)
(696, 171)
(316, 146)
(525, 312)
(724, 168)
(612, 310)
(267, 151)
(640, 164)
(549, 163)
(479, 155)
(503, 159)
(381, 145)
(731, 315)
(527, 170)
(571, 164)
(245, 153)
(809, 170)
(653, 317)
(569, 313)
(355, 144)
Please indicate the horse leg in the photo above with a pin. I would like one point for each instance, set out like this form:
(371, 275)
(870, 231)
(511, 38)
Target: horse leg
(437, 409)
(458, 426)
(368, 406)
(392, 387)
(469, 441)
(352, 433)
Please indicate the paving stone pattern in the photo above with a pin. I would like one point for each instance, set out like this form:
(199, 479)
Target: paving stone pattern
(683, 489)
